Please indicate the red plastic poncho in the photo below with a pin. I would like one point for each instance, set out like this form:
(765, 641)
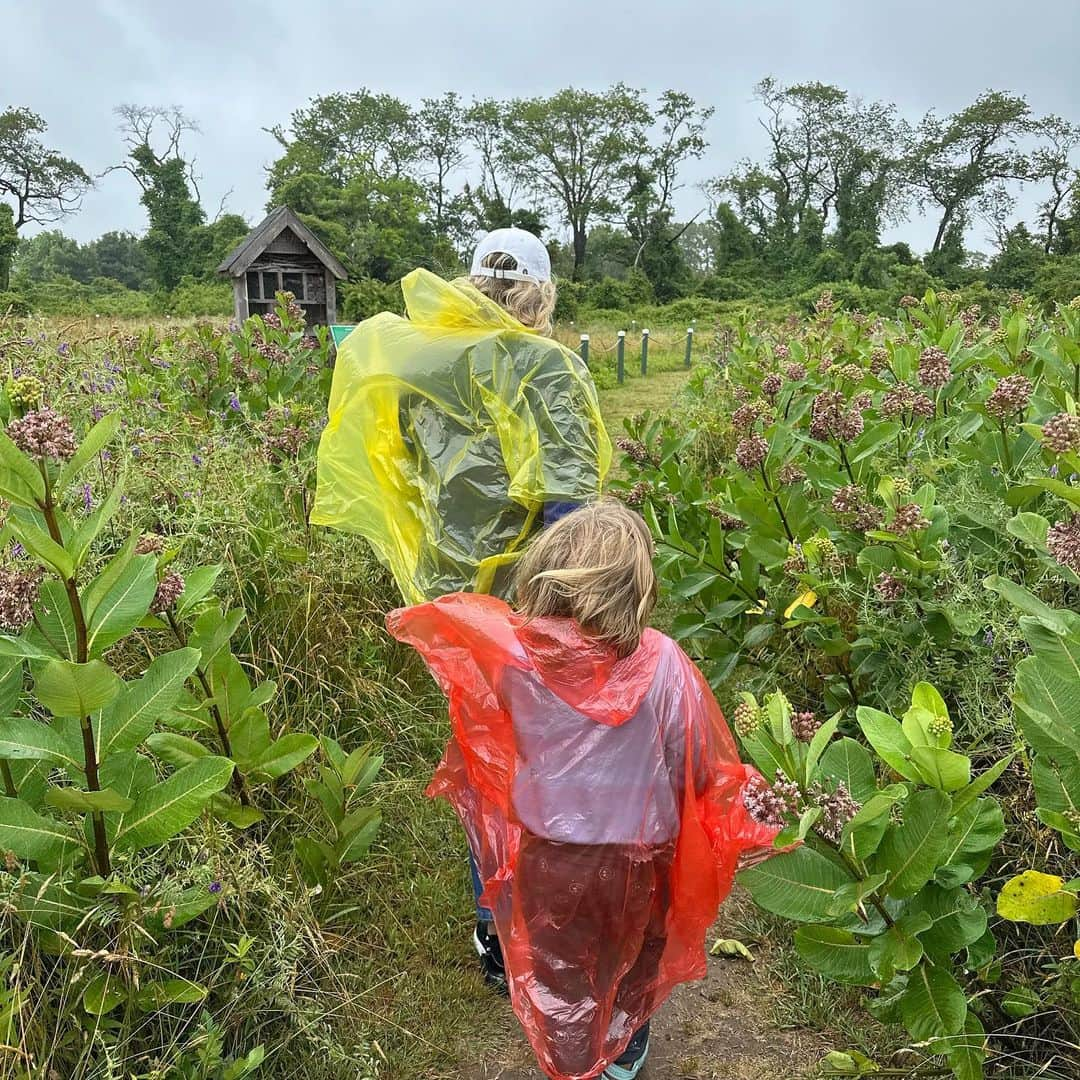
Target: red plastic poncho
(602, 798)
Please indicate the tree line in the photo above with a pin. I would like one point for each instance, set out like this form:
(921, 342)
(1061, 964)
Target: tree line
(390, 185)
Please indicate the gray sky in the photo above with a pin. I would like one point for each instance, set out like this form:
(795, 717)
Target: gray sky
(239, 67)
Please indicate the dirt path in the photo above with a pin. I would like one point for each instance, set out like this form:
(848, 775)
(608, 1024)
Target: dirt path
(717, 1029)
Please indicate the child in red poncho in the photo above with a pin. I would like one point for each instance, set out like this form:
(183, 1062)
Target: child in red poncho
(598, 783)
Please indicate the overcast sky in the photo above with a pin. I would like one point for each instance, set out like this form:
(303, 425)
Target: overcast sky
(237, 67)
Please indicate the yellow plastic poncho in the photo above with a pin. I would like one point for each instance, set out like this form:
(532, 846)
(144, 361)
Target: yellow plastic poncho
(448, 432)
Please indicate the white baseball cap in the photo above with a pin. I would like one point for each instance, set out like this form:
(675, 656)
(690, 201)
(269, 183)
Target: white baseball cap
(528, 251)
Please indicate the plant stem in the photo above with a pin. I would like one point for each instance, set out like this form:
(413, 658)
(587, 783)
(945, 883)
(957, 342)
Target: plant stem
(10, 789)
(776, 502)
(1007, 453)
(846, 463)
(82, 655)
(215, 712)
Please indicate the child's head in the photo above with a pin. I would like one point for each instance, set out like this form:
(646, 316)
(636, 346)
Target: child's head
(594, 566)
(511, 266)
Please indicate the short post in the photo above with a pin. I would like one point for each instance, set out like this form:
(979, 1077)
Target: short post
(620, 358)
(644, 352)
(585, 349)
(689, 346)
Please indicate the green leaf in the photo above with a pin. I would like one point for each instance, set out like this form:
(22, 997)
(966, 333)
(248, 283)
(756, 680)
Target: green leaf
(175, 749)
(129, 774)
(942, 769)
(99, 436)
(797, 884)
(75, 690)
(974, 833)
(848, 898)
(980, 784)
(933, 1006)
(152, 996)
(17, 648)
(898, 949)
(197, 586)
(314, 857)
(863, 833)
(249, 737)
(110, 575)
(1030, 529)
(90, 529)
(358, 831)
(1026, 602)
(911, 852)
(23, 479)
(213, 632)
(87, 802)
(1020, 1002)
(43, 546)
(285, 754)
(1036, 898)
(23, 739)
(102, 995)
(848, 762)
(132, 715)
(957, 920)
(31, 836)
(887, 737)
(837, 954)
(169, 807)
(123, 606)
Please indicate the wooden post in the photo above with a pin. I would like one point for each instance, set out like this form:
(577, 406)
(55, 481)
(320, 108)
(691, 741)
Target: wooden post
(585, 349)
(689, 346)
(644, 352)
(240, 297)
(331, 298)
(620, 364)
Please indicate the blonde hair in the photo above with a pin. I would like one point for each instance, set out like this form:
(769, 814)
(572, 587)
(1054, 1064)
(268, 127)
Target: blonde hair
(532, 303)
(595, 566)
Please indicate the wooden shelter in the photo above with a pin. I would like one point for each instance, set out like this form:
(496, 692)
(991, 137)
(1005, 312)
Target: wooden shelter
(284, 254)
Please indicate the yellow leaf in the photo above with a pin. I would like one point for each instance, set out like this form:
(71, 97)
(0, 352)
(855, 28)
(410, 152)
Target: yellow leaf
(1076, 949)
(1036, 898)
(808, 599)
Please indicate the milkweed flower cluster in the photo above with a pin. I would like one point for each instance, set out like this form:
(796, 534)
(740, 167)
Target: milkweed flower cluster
(18, 594)
(909, 518)
(1011, 395)
(747, 415)
(1063, 543)
(804, 725)
(170, 589)
(934, 368)
(795, 372)
(771, 385)
(751, 451)
(837, 809)
(888, 588)
(747, 718)
(44, 433)
(1061, 433)
(772, 804)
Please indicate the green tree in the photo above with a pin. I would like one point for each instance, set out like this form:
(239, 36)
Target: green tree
(1017, 264)
(121, 257)
(954, 164)
(51, 254)
(9, 237)
(42, 185)
(576, 150)
(342, 135)
(442, 129)
(1051, 162)
(175, 243)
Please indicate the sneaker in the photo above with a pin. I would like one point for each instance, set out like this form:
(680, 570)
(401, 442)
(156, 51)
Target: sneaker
(491, 958)
(632, 1060)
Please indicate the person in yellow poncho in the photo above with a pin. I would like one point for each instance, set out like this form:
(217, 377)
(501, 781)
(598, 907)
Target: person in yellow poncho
(456, 432)
(451, 430)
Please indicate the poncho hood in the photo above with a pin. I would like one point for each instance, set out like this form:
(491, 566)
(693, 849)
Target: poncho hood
(432, 301)
(588, 675)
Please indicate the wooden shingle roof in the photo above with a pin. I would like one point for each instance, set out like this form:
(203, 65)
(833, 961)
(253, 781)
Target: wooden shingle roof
(263, 235)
